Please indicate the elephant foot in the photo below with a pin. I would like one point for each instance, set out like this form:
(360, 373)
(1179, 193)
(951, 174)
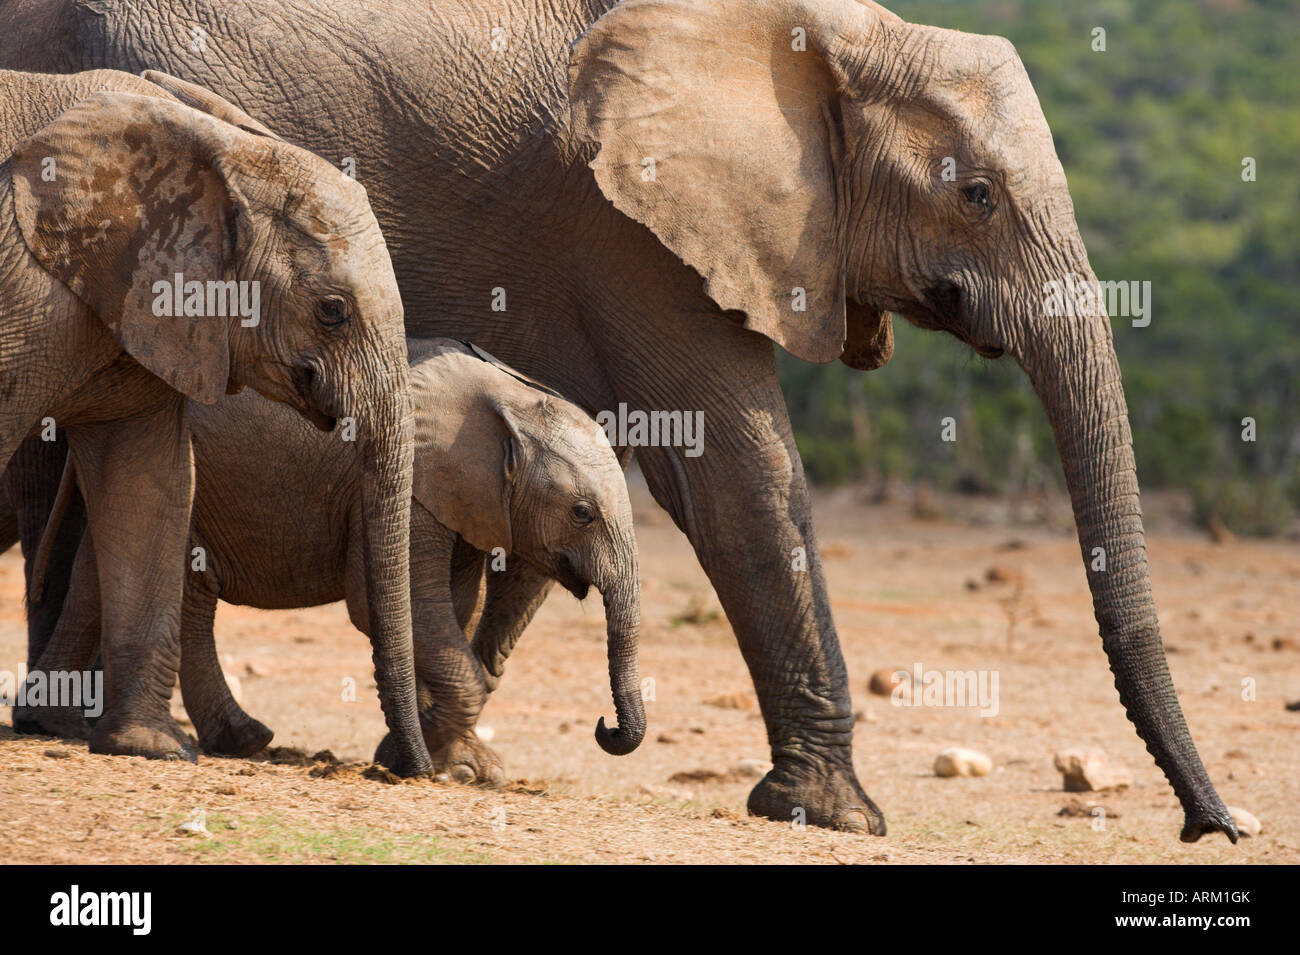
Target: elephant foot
(66, 722)
(831, 798)
(240, 735)
(136, 739)
(465, 760)
(1212, 819)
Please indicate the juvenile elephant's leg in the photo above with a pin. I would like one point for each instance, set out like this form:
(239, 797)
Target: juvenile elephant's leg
(513, 596)
(32, 482)
(138, 479)
(738, 492)
(224, 728)
(467, 564)
(71, 650)
(449, 680)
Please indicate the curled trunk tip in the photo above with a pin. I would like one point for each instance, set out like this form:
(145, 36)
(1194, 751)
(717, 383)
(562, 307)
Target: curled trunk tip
(620, 740)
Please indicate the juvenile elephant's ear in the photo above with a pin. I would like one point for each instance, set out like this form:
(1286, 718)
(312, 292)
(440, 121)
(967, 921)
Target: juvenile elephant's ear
(208, 102)
(719, 128)
(467, 455)
(116, 198)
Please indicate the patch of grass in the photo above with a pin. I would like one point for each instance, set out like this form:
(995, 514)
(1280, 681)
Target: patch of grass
(271, 839)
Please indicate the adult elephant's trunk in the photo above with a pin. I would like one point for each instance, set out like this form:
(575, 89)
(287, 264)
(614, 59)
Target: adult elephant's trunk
(622, 624)
(386, 458)
(1072, 364)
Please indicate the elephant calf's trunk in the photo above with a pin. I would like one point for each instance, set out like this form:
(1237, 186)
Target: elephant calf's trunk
(623, 623)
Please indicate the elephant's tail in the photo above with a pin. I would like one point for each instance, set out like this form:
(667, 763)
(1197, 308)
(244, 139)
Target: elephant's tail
(36, 585)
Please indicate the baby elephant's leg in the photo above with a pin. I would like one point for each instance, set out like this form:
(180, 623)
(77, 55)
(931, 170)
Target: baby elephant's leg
(224, 728)
(66, 659)
(449, 678)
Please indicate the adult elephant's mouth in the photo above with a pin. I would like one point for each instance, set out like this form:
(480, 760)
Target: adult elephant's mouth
(307, 382)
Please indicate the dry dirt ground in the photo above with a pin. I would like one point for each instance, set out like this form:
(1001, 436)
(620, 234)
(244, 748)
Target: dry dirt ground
(903, 590)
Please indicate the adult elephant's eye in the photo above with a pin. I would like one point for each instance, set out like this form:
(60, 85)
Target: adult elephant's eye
(583, 513)
(977, 193)
(332, 311)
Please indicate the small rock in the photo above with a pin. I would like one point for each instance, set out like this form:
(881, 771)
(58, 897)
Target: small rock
(58, 753)
(960, 761)
(485, 733)
(752, 768)
(1247, 824)
(1074, 808)
(254, 668)
(883, 682)
(194, 827)
(667, 738)
(1286, 643)
(971, 584)
(1089, 772)
(1002, 574)
(732, 701)
(1293, 706)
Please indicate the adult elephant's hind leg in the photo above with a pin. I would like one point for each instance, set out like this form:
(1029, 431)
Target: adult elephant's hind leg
(137, 476)
(744, 504)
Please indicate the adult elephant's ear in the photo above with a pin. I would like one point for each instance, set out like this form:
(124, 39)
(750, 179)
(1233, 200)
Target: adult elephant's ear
(869, 337)
(719, 127)
(120, 198)
(208, 102)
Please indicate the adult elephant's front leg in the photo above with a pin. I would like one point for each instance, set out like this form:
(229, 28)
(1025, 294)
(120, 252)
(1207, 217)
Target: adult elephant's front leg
(137, 477)
(744, 503)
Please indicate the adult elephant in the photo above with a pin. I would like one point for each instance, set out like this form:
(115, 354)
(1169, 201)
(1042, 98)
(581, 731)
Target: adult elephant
(790, 152)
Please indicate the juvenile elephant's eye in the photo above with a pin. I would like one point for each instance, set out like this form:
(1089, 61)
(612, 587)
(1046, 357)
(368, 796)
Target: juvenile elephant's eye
(977, 193)
(332, 311)
(583, 513)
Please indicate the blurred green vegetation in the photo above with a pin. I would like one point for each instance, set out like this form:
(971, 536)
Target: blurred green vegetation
(1152, 134)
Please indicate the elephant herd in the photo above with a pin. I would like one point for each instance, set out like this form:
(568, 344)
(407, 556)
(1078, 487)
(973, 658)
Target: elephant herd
(256, 257)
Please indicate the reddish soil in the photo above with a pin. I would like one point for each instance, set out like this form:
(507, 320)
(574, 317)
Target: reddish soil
(904, 591)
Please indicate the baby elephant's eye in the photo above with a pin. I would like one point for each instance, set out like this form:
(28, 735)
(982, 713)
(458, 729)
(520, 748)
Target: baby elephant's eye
(583, 513)
(332, 311)
(977, 193)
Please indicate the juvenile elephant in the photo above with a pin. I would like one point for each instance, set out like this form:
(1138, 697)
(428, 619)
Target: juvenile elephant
(500, 463)
(631, 201)
(157, 246)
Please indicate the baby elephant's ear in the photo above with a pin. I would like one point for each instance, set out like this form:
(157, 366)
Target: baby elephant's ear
(208, 102)
(121, 198)
(465, 465)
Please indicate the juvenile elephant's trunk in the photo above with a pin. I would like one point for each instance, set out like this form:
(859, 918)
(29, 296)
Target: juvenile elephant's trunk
(386, 457)
(623, 623)
(1073, 367)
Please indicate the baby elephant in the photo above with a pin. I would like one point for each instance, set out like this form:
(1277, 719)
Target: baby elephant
(503, 466)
